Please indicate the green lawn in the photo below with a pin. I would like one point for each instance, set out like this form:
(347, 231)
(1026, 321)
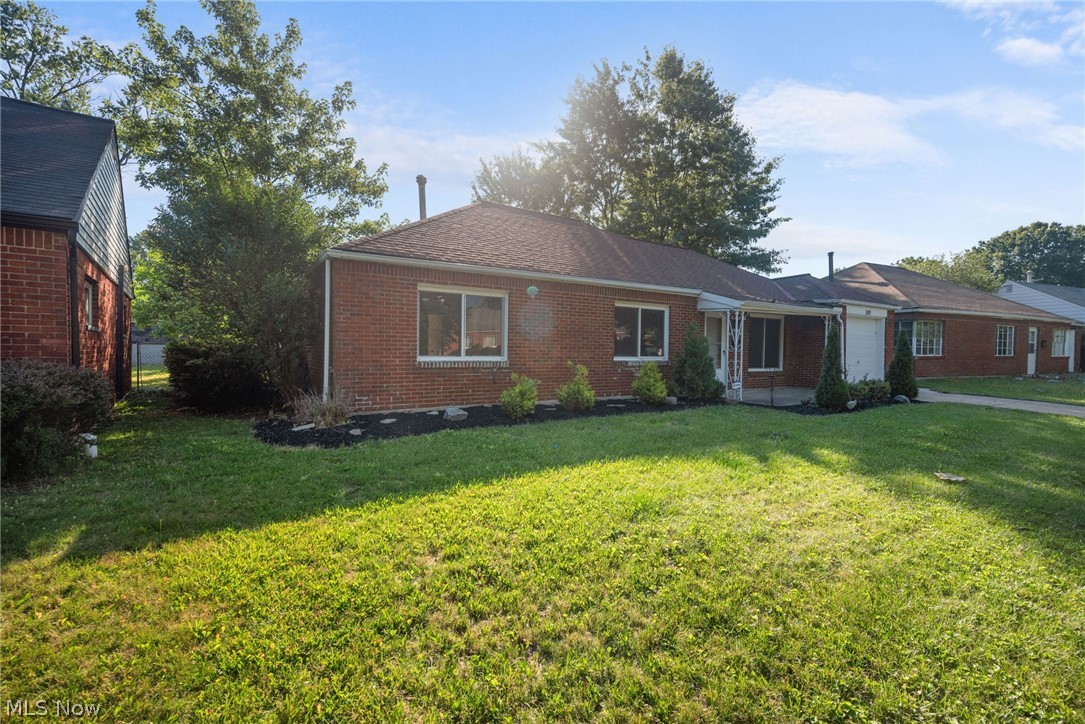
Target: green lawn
(1067, 389)
(150, 376)
(732, 564)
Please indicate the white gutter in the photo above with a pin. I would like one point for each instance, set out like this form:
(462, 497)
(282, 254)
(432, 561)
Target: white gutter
(327, 324)
(501, 271)
(778, 308)
(1000, 315)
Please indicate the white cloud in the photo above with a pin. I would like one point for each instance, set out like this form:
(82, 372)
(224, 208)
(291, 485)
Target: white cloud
(1029, 51)
(863, 129)
(860, 129)
(1035, 34)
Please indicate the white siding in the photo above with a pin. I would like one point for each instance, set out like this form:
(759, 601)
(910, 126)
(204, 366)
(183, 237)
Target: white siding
(1025, 295)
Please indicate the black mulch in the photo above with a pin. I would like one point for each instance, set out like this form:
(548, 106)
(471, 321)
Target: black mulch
(279, 431)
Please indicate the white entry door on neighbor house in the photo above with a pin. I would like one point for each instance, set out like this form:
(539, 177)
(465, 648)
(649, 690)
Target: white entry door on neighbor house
(864, 344)
(1032, 334)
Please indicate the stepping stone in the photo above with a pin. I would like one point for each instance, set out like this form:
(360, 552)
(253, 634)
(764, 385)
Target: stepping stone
(388, 420)
(307, 426)
(902, 398)
(356, 431)
(434, 412)
(670, 400)
(950, 477)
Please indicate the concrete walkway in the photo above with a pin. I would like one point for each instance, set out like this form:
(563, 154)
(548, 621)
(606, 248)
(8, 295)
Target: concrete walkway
(1050, 408)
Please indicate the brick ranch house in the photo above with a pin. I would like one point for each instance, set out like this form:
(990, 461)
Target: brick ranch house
(442, 311)
(954, 331)
(65, 285)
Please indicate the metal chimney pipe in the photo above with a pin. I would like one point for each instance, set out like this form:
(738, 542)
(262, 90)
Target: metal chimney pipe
(1028, 276)
(421, 196)
(831, 272)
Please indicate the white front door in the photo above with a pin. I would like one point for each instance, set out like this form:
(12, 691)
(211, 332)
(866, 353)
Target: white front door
(1032, 332)
(716, 332)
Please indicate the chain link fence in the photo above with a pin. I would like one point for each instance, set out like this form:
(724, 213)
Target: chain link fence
(149, 365)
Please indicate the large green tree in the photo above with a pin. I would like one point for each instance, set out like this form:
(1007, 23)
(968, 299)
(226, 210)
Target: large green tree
(259, 179)
(970, 268)
(41, 65)
(1055, 254)
(654, 151)
(228, 106)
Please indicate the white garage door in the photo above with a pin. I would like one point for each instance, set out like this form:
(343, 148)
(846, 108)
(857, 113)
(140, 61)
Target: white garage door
(864, 345)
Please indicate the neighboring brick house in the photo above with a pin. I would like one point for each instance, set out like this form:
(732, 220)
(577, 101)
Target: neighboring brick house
(444, 310)
(1065, 301)
(955, 331)
(65, 280)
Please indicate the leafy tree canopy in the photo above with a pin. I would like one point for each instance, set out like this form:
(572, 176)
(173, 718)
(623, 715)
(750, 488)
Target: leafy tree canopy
(651, 151)
(40, 63)
(227, 106)
(970, 268)
(1055, 254)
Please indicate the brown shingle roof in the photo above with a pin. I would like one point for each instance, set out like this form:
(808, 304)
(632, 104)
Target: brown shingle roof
(807, 288)
(911, 290)
(505, 238)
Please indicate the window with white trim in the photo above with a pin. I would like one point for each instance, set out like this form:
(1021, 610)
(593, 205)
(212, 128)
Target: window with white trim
(1059, 347)
(765, 343)
(462, 324)
(1004, 338)
(90, 303)
(640, 332)
(924, 335)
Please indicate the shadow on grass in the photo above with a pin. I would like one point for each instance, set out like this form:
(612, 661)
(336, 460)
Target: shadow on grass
(165, 476)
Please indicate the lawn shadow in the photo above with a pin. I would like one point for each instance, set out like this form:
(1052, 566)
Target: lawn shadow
(164, 477)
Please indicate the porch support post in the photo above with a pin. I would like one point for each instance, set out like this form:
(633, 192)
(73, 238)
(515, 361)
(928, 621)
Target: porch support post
(735, 320)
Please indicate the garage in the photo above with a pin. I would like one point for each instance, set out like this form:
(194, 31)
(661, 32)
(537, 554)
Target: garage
(864, 344)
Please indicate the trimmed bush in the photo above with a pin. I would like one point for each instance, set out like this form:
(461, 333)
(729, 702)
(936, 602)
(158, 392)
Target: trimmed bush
(870, 390)
(649, 386)
(901, 373)
(218, 377)
(519, 400)
(832, 392)
(44, 408)
(311, 407)
(694, 370)
(578, 394)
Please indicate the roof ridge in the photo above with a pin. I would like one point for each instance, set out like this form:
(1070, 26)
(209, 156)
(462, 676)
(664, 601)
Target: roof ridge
(54, 109)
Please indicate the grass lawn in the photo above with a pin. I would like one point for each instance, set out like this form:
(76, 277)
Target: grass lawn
(151, 376)
(1069, 389)
(733, 564)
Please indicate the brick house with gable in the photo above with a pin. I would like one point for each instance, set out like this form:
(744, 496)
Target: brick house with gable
(65, 269)
(954, 331)
(442, 311)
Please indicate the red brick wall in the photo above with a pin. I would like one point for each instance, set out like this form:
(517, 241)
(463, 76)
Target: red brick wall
(34, 322)
(34, 305)
(375, 330)
(98, 344)
(968, 348)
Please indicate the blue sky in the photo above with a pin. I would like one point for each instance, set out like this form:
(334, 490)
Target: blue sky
(905, 128)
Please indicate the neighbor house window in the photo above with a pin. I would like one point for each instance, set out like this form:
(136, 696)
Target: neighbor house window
(90, 303)
(1004, 340)
(461, 324)
(1059, 347)
(925, 337)
(766, 343)
(640, 332)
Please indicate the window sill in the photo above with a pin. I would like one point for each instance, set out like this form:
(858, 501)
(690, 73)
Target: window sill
(640, 360)
(765, 369)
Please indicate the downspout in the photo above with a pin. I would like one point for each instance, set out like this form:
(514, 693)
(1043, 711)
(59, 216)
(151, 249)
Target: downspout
(843, 361)
(327, 326)
(73, 296)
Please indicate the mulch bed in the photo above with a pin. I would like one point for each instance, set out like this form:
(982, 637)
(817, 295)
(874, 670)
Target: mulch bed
(279, 431)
